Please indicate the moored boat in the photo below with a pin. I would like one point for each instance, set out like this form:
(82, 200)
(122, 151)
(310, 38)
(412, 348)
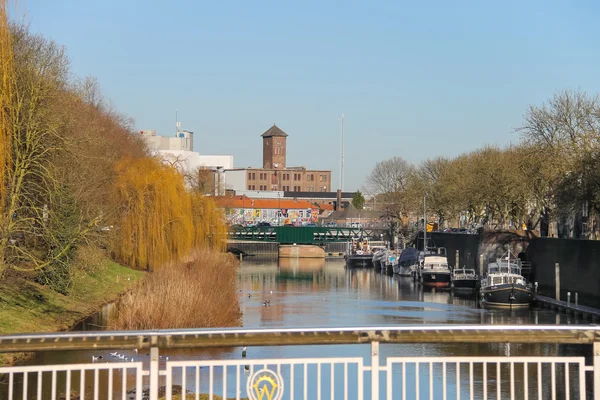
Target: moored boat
(408, 262)
(464, 279)
(359, 255)
(434, 272)
(504, 285)
(390, 262)
(379, 255)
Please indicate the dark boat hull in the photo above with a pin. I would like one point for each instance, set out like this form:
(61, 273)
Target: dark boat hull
(507, 296)
(436, 279)
(359, 261)
(465, 284)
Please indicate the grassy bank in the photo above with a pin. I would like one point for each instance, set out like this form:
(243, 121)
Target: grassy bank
(200, 293)
(26, 306)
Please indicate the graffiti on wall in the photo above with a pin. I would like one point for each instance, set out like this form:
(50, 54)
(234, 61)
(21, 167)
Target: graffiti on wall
(246, 216)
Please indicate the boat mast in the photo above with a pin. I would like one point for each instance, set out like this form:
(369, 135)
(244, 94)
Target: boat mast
(424, 224)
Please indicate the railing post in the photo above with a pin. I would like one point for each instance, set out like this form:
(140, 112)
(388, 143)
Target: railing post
(596, 370)
(375, 371)
(153, 373)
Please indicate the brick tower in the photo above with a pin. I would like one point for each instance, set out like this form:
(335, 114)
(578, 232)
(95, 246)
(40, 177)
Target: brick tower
(274, 148)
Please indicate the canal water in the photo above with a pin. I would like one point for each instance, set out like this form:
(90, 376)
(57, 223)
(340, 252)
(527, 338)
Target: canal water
(323, 293)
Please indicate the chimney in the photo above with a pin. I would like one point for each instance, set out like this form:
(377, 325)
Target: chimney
(338, 204)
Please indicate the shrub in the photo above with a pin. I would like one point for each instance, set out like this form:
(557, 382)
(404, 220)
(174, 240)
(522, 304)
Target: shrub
(199, 293)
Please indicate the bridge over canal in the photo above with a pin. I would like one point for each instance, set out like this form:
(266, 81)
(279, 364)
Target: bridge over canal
(304, 235)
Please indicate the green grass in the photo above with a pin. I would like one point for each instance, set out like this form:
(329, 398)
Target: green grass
(27, 307)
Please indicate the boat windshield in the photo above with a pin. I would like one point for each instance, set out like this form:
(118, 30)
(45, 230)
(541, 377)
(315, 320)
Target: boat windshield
(436, 265)
(505, 279)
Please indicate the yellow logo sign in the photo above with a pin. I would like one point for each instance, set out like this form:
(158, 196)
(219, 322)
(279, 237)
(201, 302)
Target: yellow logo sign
(265, 385)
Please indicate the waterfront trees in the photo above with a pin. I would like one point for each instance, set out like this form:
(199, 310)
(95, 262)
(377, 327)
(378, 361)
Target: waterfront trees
(553, 173)
(73, 174)
(358, 200)
(388, 181)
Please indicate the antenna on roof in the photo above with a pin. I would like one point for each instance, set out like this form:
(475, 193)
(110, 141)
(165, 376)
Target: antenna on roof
(177, 124)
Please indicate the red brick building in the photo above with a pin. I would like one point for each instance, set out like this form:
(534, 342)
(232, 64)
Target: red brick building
(276, 175)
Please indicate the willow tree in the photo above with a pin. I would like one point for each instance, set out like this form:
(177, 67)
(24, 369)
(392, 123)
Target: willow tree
(155, 218)
(6, 117)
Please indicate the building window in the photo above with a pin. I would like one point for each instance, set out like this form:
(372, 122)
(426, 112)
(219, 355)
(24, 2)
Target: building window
(249, 187)
(253, 187)
(325, 178)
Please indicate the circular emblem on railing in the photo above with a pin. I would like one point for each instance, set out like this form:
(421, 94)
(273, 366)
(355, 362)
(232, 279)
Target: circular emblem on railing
(265, 385)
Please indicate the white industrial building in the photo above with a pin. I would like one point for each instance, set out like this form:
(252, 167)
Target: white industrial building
(178, 150)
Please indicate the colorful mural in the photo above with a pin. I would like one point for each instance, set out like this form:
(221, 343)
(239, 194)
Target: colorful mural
(250, 216)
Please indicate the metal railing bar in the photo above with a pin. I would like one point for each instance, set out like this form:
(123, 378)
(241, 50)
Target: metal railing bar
(417, 380)
(183, 380)
(257, 361)
(332, 380)
(318, 381)
(553, 378)
(123, 384)
(305, 379)
(490, 359)
(96, 381)
(237, 382)
(210, 380)
(39, 385)
(110, 383)
(26, 387)
(430, 381)
(526, 381)
(298, 336)
(70, 367)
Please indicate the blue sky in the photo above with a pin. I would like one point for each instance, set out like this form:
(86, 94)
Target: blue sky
(414, 79)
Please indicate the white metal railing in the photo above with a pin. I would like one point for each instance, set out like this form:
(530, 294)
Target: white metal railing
(393, 377)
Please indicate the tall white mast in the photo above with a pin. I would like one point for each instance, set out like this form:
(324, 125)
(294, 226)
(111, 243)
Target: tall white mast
(342, 156)
(424, 224)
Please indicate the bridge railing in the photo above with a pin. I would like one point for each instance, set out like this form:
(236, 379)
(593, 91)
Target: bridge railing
(134, 364)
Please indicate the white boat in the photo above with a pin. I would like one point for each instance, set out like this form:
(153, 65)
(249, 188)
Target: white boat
(379, 254)
(435, 272)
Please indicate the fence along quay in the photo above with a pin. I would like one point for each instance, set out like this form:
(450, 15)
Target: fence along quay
(371, 377)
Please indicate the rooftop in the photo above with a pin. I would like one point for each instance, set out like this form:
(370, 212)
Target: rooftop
(274, 131)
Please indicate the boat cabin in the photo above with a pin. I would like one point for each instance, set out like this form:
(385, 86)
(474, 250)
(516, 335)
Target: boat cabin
(504, 272)
(464, 273)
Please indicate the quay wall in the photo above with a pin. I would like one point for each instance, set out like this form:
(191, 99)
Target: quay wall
(579, 260)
